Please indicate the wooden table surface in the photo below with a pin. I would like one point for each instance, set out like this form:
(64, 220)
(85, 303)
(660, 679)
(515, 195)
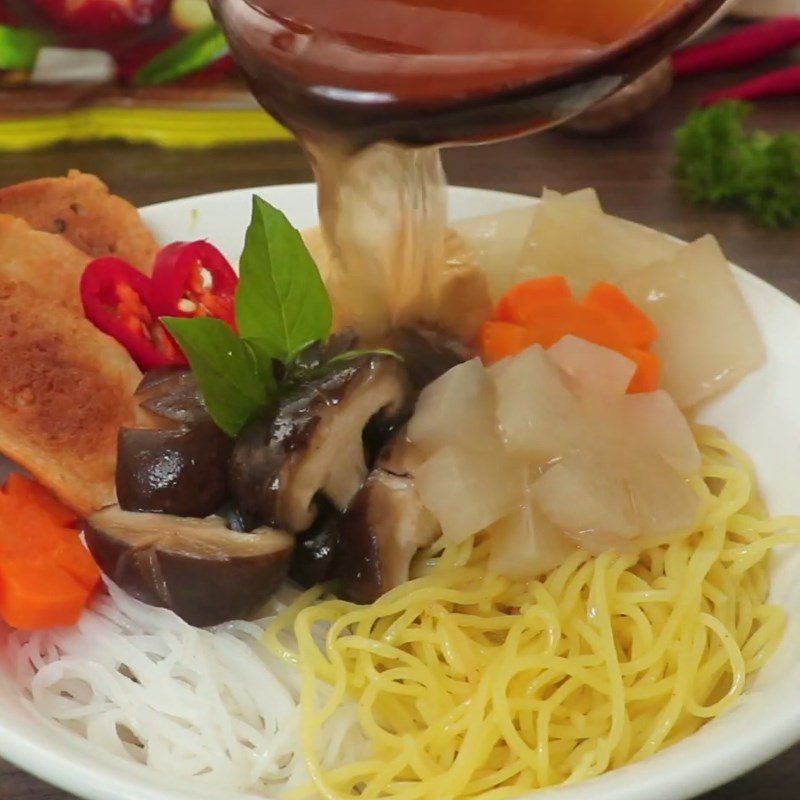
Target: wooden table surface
(631, 170)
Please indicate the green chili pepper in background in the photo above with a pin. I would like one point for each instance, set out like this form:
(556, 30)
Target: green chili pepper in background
(193, 53)
(19, 47)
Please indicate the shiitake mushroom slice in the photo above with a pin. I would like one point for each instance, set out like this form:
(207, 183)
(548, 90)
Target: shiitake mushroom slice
(176, 462)
(315, 549)
(172, 395)
(311, 443)
(198, 568)
(384, 527)
(181, 471)
(428, 352)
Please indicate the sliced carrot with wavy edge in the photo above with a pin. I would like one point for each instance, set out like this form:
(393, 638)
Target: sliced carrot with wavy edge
(46, 574)
(34, 597)
(639, 328)
(77, 562)
(500, 339)
(648, 371)
(24, 489)
(543, 311)
(523, 303)
(586, 323)
(47, 589)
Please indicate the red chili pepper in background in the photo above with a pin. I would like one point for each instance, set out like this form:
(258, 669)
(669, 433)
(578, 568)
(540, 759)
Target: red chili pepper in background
(740, 48)
(193, 279)
(774, 84)
(117, 299)
(131, 60)
(215, 70)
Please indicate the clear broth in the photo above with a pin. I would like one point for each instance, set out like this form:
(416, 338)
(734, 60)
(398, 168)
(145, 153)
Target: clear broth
(362, 82)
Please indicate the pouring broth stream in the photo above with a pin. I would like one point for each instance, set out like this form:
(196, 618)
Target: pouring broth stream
(372, 87)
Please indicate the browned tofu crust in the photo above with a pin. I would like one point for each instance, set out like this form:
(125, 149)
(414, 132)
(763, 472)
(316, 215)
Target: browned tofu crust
(65, 390)
(46, 261)
(82, 210)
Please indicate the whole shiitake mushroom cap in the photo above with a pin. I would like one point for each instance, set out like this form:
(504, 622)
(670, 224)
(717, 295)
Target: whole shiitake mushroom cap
(198, 568)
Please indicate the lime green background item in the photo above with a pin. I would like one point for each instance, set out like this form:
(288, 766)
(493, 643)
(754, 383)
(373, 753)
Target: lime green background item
(168, 128)
(19, 47)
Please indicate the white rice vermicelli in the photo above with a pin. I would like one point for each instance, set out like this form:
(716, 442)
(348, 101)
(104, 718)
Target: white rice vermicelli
(213, 706)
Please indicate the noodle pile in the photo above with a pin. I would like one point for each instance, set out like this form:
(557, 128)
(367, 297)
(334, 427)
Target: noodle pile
(209, 706)
(469, 684)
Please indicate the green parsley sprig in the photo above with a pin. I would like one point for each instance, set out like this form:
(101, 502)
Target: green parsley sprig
(720, 164)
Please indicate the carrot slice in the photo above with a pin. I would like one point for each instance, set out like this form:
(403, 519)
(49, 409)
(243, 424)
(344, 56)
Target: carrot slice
(648, 371)
(26, 528)
(46, 574)
(34, 596)
(16, 524)
(554, 323)
(640, 330)
(27, 491)
(497, 340)
(75, 560)
(543, 311)
(593, 326)
(526, 301)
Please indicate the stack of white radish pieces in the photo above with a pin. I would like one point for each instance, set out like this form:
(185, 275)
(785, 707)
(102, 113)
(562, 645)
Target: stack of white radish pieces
(545, 450)
(548, 452)
(707, 338)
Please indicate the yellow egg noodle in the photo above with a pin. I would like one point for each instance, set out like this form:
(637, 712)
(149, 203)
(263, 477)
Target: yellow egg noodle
(470, 684)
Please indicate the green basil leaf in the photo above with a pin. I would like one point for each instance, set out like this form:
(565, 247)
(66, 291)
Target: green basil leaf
(190, 54)
(19, 47)
(281, 299)
(264, 354)
(226, 369)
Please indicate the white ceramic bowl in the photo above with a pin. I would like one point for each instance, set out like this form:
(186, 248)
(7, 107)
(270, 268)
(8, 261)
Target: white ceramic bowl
(762, 414)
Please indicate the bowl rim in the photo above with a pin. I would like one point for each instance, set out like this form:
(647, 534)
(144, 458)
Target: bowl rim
(107, 778)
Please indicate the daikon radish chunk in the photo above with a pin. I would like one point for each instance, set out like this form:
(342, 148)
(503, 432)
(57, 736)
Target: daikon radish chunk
(708, 339)
(495, 242)
(545, 445)
(666, 502)
(592, 366)
(583, 495)
(536, 410)
(467, 488)
(605, 500)
(525, 544)
(497, 369)
(654, 420)
(604, 453)
(456, 409)
(585, 199)
(575, 239)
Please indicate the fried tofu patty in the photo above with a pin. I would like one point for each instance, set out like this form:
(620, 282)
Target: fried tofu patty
(82, 210)
(65, 391)
(47, 262)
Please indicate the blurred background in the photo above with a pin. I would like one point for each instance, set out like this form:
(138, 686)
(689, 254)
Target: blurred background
(142, 92)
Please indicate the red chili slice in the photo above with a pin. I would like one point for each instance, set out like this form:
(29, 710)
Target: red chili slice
(117, 300)
(193, 279)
